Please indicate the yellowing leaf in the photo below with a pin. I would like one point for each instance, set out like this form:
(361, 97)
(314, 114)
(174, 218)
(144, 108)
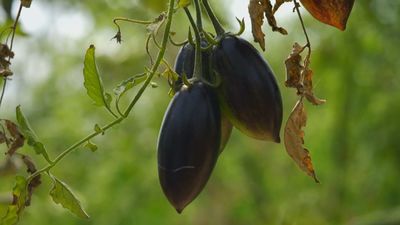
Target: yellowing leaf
(61, 194)
(18, 205)
(294, 139)
(332, 12)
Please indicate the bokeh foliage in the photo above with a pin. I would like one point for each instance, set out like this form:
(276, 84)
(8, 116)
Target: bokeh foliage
(353, 138)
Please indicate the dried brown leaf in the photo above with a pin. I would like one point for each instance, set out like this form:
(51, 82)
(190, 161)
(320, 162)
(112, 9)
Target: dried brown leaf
(278, 4)
(308, 88)
(35, 182)
(16, 140)
(294, 139)
(294, 67)
(332, 12)
(5, 55)
(256, 11)
(269, 14)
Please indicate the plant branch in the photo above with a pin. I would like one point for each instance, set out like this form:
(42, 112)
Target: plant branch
(217, 25)
(127, 111)
(308, 45)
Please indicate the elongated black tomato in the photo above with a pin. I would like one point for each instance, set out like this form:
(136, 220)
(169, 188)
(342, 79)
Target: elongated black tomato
(188, 143)
(185, 60)
(248, 94)
(184, 63)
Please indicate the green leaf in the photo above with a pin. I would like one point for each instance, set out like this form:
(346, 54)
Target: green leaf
(184, 3)
(91, 146)
(30, 135)
(93, 82)
(128, 84)
(15, 210)
(61, 194)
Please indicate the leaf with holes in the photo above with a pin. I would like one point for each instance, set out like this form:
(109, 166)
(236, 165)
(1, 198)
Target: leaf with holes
(294, 139)
(61, 194)
(332, 12)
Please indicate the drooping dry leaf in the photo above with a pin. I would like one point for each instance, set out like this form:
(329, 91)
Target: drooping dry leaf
(5, 55)
(35, 182)
(294, 139)
(256, 11)
(300, 76)
(12, 136)
(332, 12)
(269, 14)
(294, 67)
(308, 88)
(278, 4)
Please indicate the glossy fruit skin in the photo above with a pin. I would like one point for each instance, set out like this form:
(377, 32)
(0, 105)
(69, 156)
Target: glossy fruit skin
(188, 144)
(249, 93)
(184, 63)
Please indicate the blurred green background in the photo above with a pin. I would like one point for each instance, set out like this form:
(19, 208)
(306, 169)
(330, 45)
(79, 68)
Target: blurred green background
(354, 138)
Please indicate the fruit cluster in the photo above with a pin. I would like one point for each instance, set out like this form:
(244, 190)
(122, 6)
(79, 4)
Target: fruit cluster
(200, 117)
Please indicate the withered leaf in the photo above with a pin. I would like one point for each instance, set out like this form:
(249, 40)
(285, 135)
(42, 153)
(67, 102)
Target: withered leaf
(294, 67)
(300, 76)
(332, 12)
(15, 140)
(269, 14)
(278, 4)
(308, 88)
(18, 204)
(256, 11)
(35, 182)
(294, 139)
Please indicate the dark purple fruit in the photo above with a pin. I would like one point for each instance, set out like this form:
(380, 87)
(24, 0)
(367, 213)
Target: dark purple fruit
(184, 63)
(248, 93)
(188, 144)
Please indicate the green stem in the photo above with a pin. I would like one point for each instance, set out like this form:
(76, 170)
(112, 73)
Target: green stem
(198, 61)
(198, 16)
(217, 25)
(127, 111)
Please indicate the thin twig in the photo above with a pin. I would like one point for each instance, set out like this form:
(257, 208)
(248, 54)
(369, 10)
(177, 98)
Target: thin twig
(308, 45)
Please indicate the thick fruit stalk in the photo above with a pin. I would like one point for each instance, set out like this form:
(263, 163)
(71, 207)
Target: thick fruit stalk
(188, 143)
(248, 94)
